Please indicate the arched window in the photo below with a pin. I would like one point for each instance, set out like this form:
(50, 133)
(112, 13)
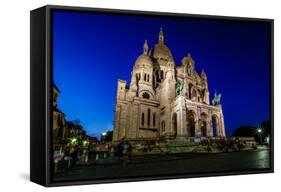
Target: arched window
(138, 76)
(161, 75)
(163, 125)
(203, 93)
(154, 119)
(148, 117)
(145, 77)
(142, 119)
(157, 75)
(215, 127)
(193, 95)
(190, 90)
(190, 125)
(145, 95)
(174, 121)
(203, 124)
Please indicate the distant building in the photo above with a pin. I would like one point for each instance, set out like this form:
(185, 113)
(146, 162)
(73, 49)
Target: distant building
(59, 122)
(92, 140)
(165, 101)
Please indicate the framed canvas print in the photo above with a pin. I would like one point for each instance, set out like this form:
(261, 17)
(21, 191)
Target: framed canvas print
(120, 95)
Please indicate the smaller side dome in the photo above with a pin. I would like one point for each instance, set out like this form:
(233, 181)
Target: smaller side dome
(144, 60)
(187, 60)
(203, 74)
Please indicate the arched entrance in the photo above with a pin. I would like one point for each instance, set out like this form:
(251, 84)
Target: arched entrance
(174, 123)
(193, 95)
(203, 124)
(215, 127)
(190, 123)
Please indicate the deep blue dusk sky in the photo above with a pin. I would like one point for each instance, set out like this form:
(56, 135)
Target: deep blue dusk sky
(92, 51)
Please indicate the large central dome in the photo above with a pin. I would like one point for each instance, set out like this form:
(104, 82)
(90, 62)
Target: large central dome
(160, 50)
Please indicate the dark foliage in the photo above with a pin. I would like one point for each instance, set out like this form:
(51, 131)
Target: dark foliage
(251, 131)
(244, 131)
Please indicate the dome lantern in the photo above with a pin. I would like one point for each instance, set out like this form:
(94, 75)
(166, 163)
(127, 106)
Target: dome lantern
(145, 47)
(161, 36)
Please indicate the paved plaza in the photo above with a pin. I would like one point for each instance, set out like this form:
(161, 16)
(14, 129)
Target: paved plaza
(170, 164)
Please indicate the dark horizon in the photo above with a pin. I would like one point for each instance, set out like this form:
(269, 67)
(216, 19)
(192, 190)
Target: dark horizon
(92, 51)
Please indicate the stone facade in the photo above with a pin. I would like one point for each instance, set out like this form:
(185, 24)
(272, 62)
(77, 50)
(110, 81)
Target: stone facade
(165, 101)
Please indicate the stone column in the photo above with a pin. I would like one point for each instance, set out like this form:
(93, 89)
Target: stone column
(207, 98)
(181, 117)
(183, 123)
(197, 127)
(221, 122)
(218, 127)
(209, 127)
(222, 126)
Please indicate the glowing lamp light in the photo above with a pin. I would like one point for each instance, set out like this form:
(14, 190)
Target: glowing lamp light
(73, 140)
(85, 142)
(104, 134)
(259, 131)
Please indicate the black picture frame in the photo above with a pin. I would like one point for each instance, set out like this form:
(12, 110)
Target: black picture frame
(41, 90)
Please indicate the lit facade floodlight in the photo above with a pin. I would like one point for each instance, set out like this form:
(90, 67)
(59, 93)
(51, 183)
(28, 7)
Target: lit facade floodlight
(104, 134)
(259, 130)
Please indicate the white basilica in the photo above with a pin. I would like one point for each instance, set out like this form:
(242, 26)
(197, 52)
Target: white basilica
(164, 100)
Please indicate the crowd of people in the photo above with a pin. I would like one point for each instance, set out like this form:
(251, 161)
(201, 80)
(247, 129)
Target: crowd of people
(225, 144)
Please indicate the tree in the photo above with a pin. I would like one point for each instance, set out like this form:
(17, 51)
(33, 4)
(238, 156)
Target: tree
(76, 132)
(244, 131)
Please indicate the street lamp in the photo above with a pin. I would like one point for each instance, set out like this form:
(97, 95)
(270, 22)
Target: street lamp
(73, 140)
(85, 142)
(259, 133)
(103, 137)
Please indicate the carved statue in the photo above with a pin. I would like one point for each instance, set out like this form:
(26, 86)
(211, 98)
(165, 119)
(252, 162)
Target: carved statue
(217, 99)
(179, 87)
